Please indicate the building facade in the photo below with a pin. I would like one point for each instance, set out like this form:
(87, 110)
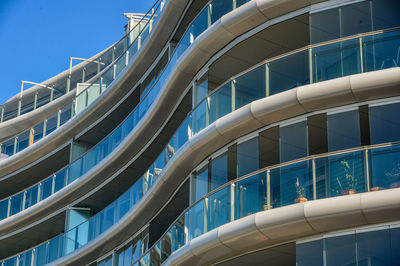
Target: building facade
(222, 132)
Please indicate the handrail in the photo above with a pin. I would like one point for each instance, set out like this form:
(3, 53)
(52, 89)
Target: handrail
(143, 179)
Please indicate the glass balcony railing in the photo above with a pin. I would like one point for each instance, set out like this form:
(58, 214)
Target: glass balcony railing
(329, 175)
(108, 66)
(29, 101)
(271, 77)
(70, 173)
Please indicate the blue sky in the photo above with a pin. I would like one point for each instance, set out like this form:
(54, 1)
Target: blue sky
(37, 37)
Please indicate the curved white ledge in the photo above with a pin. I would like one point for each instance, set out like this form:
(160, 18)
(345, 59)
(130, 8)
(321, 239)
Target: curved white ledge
(23, 122)
(289, 223)
(242, 121)
(129, 76)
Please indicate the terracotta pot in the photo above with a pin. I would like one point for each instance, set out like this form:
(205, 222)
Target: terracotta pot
(349, 192)
(376, 188)
(300, 200)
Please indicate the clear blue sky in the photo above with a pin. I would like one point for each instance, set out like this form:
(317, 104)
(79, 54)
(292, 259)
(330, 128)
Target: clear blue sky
(37, 37)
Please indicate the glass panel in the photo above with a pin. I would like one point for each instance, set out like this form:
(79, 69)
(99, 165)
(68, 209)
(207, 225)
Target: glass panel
(384, 14)
(384, 123)
(200, 89)
(336, 60)
(51, 124)
(395, 244)
(293, 141)
(219, 171)
(46, 188)
(340, 250)
(177, 232)
(25, 259)
(250, 86)
(310, 253)
(199, 25)
(355, 18)
(3, 209)
(166, 246)
(381, 51)
(247, 157)
(250, 195)
(373, 248)
(346, 173)
(343, 130)
(220, 8)
(385, 167)
(8, 147)
(219, 208)
(295, 183)
(324, 25)
(200, 184)
(60, 180)
(16, 203)
(196, 214)
(23, 140)
(31, 196)
(75, 170)
(219, 103)
(55, 249)
(199, 117)
(288, 72)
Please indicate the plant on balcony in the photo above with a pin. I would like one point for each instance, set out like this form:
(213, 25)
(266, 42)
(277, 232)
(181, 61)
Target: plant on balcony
(300, 191)
(393, 176)
(349, 184)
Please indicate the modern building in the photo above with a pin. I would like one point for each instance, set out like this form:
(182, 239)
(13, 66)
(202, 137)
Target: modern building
(222, 132)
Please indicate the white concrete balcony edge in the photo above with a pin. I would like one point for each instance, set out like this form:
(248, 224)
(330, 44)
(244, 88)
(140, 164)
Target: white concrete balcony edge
(259, 113)
(116, 90)
(289, 223)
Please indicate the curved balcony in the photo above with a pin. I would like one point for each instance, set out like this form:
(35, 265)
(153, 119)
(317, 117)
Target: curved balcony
(318, 177)
(129, 199)
(114, 60)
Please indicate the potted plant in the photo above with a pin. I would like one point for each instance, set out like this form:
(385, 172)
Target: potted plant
(394, 176)
(301, 192)
(349, 182)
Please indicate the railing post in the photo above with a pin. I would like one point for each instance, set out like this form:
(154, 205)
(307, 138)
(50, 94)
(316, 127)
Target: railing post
(2, 114)
(53, 184)
(83, 74)
(15, 145)
(9, 207)
(23, 200)
(19, 106)
(39, 191)
(233, 93)
(51, 94)
(366, 169)
(115, 71)
(205, 214)
(361, 56)
(35, 101)
(314, 179)
(268, 189)
(58, 118)
(127, 58)
(68, 84)
(232, 202)
(310, 63)
(44, 128)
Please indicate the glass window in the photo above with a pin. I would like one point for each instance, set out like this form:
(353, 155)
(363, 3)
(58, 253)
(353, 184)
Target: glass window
(289, 72)
(373, 248)
(343, 130)
(384, 123)
(340, 250)
(250, 86)
(324, 25)
(395, 245)
(16, 203)
(247, 157)
(385, 14)
(200, 90)
(310, 253)
(197, 220)
(317, 134)
(219, 171)
(220, 103)
(200, 184)
(293, 141)
(355, 18)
